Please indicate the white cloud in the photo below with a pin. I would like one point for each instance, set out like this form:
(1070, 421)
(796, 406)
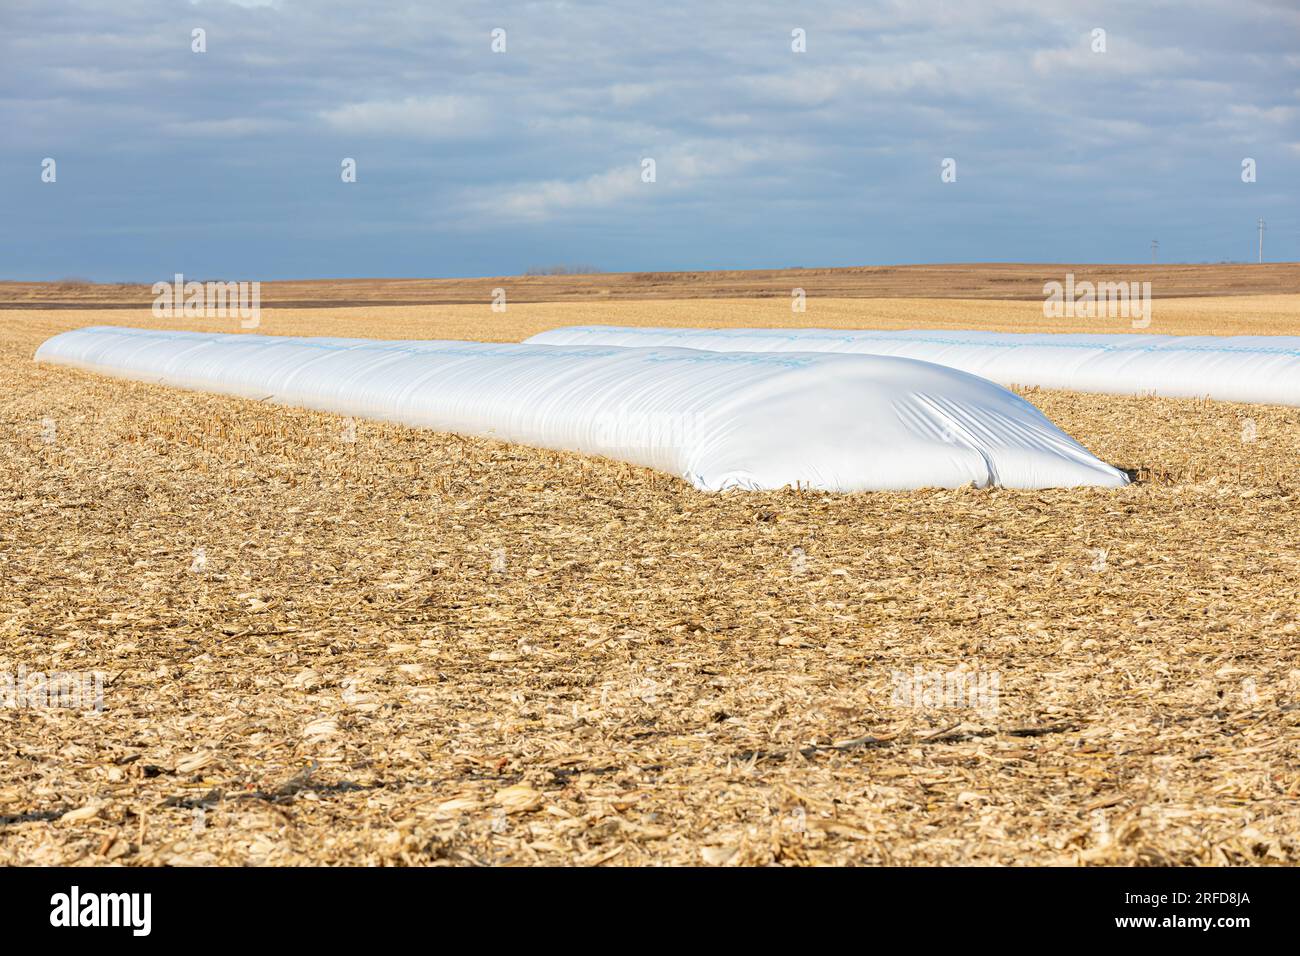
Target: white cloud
(542, 200)
(234, 126)
(246, 4)
(679, 170)
(1264, 114)
(1123, 56)
(626, 94)
(821, 86)
(728, 120)
(429, 117)
(93, 78)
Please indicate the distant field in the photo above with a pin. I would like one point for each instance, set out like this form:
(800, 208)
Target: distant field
(355, 643)
(1225, 315)
(1009, 281)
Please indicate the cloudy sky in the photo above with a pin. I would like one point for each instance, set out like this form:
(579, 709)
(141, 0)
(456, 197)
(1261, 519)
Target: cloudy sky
(228, 163)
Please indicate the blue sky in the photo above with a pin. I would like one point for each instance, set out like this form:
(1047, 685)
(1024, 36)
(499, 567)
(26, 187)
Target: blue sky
(469, 162)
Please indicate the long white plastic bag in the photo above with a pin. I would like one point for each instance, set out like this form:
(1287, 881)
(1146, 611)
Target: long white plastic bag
(834, 422)
(1240, 368)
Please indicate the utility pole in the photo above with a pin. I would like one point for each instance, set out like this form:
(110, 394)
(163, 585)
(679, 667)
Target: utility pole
(1155, 245)
(1261, 241)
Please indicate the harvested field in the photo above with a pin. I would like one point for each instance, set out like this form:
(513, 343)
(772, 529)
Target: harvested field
(346, 642)
(990, 281)
(1225, 315)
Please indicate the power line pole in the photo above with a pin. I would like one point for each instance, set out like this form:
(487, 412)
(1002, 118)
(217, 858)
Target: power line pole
(1261, 241)
(1155, 245)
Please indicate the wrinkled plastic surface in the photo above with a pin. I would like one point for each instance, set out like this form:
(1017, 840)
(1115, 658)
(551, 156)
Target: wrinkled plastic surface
(1241, 368)
(834, 422)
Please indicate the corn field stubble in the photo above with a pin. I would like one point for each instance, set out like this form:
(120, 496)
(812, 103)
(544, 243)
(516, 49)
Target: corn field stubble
(334, 642)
